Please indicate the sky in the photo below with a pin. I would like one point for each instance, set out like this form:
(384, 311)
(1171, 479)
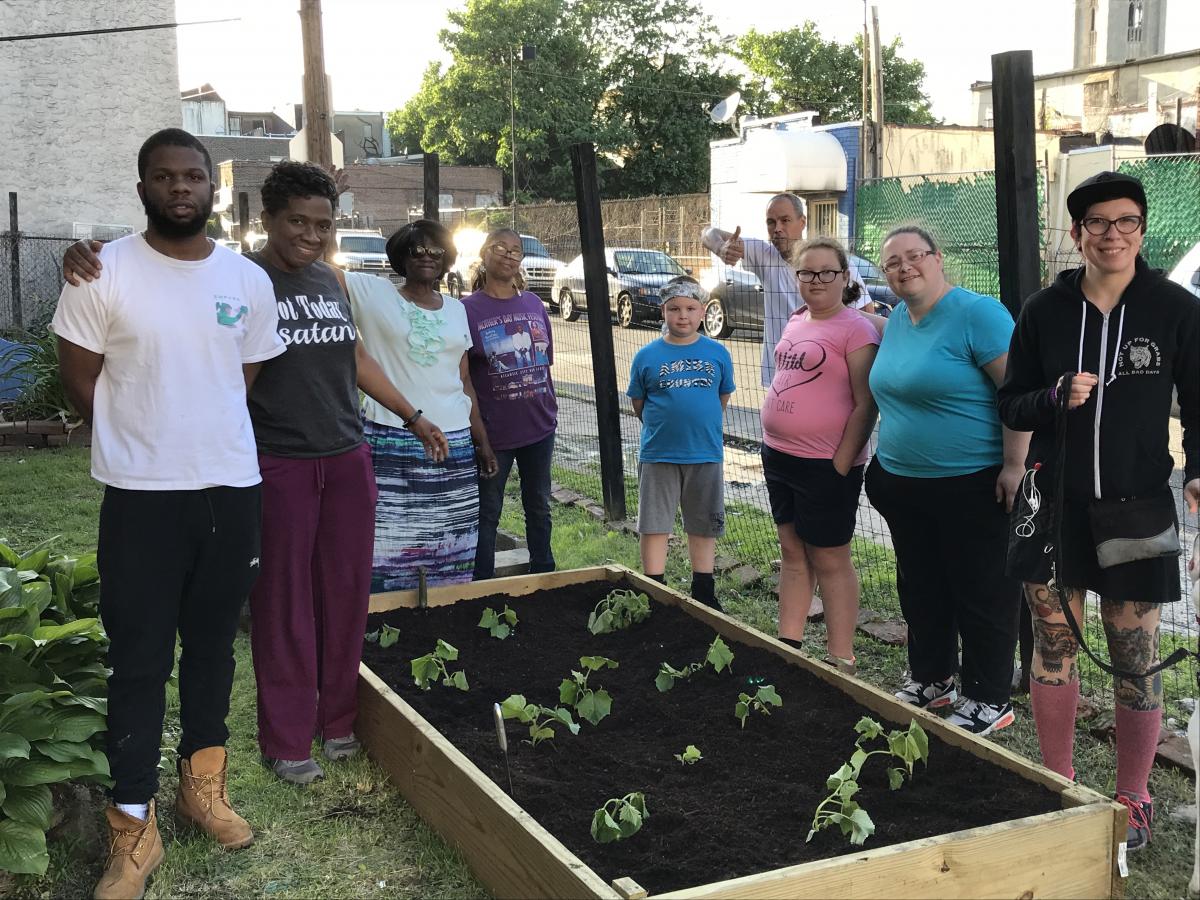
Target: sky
(377, 50)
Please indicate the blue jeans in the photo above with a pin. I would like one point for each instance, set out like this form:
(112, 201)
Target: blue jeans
(533, 463)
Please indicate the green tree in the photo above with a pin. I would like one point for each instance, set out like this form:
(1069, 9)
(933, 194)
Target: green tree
(635, 78)
(798, 69)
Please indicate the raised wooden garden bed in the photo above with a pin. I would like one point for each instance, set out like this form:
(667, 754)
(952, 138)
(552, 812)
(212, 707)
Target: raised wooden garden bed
(1044, 836)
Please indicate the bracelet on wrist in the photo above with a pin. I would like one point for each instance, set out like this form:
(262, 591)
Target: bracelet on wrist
(408, 423)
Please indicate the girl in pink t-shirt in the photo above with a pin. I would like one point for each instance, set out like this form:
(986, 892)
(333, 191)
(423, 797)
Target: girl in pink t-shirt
(816, 419)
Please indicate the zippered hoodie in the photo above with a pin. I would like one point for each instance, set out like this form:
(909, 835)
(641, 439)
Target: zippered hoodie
(1117, 442)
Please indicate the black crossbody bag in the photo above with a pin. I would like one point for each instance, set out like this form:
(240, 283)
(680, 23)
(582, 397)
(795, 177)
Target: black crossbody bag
(1133, 527)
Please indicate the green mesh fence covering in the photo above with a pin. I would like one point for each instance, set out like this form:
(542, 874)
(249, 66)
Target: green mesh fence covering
(958, 210)
(1172, 186)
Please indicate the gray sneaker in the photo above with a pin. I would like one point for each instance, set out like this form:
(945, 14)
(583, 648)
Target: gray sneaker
(296, 771)
(347, 747)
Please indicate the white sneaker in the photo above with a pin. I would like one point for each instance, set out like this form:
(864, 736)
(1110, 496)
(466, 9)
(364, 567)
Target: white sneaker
(927, 694)
(981, 718)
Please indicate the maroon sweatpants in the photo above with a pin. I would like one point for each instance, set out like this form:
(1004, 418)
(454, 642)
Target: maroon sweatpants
(309, 606)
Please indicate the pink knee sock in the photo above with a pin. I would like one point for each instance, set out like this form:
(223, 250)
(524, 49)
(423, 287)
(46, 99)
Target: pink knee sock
(1054, 707)
(1137, 740)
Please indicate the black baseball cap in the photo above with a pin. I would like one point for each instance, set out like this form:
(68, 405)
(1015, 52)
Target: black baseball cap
(1101, 187)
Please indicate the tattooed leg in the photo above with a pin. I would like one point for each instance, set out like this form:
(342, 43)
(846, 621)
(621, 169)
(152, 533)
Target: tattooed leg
(1132, 630)
(1054, 646)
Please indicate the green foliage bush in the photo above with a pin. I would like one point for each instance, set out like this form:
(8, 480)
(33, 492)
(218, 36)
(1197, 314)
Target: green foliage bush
(52, 693)
(34, 363)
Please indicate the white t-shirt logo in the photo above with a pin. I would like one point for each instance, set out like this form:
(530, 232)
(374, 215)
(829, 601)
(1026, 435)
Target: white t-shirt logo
(225, 314)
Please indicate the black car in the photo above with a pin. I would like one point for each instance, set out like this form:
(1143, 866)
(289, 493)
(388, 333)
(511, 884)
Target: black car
(635, 277)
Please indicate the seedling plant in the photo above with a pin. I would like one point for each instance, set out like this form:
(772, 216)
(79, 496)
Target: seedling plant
(618, 610)
(432, 666)
(765, 696)
(386, 636)
(542, 720)
(499, 625)
(719, 656)
(840, 808)
(619, 818)
(591, 705)
(690, 755)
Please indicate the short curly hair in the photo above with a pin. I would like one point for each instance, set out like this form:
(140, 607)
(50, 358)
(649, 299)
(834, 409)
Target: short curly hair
(422, 231)
(289, 179)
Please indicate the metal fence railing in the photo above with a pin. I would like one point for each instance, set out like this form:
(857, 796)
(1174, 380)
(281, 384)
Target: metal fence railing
(39, 280)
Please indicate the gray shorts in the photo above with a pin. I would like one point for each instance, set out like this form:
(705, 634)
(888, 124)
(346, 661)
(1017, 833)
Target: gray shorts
(698, 487)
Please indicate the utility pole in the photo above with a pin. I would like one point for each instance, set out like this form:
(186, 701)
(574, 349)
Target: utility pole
(877, 92)
(318, 139)
(512, 130)
(866, 154)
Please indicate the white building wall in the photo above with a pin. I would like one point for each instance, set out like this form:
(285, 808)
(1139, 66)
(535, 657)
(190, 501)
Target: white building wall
(75, 110)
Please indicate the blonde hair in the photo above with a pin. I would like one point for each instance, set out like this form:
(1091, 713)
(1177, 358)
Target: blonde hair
(478, 273)
(853, 289)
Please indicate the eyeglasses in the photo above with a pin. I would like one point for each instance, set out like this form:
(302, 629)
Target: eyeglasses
(1098, 226)
(420, 250)
(894, 265)
(511, 253)
(825, 276)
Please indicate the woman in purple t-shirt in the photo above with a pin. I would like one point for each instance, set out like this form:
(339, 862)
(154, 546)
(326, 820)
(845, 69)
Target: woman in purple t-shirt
(510, 357)
(816, 419)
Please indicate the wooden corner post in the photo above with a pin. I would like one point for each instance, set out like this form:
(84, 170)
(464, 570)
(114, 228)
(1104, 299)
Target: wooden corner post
(604, 368)
(1016, 178)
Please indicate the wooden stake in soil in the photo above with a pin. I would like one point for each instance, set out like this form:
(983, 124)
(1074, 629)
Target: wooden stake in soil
(502, 739)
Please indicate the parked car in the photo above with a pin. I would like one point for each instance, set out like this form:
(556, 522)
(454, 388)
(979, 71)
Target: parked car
(736, 296)
(635, 277)
(361, 250)
(235, 246)
(1187, 272)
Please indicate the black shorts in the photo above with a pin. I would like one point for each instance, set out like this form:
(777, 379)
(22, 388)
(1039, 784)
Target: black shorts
(1141, 581)
(810, 494)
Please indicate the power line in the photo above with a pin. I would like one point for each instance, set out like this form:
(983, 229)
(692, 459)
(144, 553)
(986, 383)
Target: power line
(61, 34)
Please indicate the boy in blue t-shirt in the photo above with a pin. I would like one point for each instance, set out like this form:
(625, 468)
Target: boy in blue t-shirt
(679, 385)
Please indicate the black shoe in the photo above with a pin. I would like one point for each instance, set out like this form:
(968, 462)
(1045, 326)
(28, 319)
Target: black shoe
(1141, 816)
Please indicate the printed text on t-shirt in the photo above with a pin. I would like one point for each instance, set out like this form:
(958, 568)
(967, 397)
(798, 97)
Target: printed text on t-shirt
(316, 311)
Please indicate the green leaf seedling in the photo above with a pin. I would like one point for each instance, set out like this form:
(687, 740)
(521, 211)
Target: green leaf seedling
(618, 610)
(765, 696)
(541, 720)
(432, 666)
(619, 818)
(690, 756)
(719, 656)
(591, 705)
(388, 636)
(499, 625)
(840, 808)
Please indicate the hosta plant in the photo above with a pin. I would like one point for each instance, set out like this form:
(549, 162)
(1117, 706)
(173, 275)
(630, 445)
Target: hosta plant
(542, 720)
(52, 694)
(432, 666)
(592, 705)
(499, 625)
(619, 818)
(618, 610)
(840, 808)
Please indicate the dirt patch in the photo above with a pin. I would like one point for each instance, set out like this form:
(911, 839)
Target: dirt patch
(744, 808)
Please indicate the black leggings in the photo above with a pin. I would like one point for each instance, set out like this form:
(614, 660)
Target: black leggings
(950, 537)
(171, 561)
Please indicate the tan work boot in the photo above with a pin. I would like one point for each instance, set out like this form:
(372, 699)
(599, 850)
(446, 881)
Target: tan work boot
(203, 799)
(135, 850)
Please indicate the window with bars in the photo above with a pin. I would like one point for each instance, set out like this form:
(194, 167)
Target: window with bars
(823, 218)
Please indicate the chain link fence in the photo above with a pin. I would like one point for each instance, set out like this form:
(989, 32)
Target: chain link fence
(1172, 186)
(38, 276)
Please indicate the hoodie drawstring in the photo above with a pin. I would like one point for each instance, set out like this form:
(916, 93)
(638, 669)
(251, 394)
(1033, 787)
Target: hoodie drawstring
(1116, 355)
(1117, 352)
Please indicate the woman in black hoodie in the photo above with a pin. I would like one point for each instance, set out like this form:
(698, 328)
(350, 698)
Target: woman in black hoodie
(1127, 336)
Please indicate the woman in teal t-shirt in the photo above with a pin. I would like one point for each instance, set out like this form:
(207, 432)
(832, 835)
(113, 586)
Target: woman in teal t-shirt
(944, 477)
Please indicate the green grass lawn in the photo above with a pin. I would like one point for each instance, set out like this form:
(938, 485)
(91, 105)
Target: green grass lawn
(352, 835)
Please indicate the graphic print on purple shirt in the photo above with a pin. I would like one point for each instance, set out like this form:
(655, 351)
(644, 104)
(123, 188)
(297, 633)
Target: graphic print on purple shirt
(509, 359)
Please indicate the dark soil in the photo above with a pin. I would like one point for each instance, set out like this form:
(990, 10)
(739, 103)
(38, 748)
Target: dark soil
(746, 807)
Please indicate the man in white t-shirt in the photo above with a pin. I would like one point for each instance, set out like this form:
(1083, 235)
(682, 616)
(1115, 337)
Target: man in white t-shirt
(157, 353)
(771, 262)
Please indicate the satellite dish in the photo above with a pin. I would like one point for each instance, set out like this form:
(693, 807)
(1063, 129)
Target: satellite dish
(725, 110)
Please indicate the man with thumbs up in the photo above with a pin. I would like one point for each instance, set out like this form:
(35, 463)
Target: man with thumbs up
(771, 262)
